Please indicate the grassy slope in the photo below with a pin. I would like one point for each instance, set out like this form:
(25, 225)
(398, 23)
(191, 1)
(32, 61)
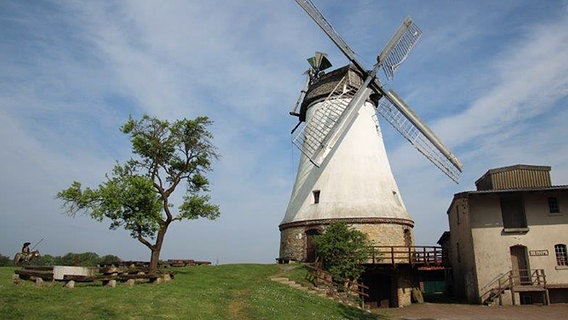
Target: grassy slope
(207, 292)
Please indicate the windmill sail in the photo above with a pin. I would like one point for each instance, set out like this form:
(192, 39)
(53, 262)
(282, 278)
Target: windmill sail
(407, 123)
(310, 139)
(392, 107)
(398, 48)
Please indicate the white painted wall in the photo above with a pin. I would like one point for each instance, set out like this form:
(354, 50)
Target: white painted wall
(355, 181)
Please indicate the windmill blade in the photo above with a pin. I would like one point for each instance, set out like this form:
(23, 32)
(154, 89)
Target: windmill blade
(399, 46)
(294, 111)
(312, 133)
(318, 18)
(334, 118)
(405, 121)
(347, 117)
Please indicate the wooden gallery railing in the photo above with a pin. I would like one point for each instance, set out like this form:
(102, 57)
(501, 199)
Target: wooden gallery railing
(414, 255)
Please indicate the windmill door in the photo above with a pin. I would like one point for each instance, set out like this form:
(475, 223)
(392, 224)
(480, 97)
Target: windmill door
(311, 250)
(520, 265)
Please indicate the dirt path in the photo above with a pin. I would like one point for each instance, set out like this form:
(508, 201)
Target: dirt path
(436, 311)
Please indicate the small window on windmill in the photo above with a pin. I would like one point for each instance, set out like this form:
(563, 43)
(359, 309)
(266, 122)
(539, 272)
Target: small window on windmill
(316, 194)
(396, 198)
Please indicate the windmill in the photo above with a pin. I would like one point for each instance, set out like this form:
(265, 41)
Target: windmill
(344, 173)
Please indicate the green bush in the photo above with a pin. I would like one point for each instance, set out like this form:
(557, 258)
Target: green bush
(343, 251)
(5, 261)
(108, 260)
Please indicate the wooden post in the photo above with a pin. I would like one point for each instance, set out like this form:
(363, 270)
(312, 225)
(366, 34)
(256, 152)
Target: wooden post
(511, 286)
(546, 295)
(500, 291)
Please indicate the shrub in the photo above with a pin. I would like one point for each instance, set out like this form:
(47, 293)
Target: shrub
(343, 251)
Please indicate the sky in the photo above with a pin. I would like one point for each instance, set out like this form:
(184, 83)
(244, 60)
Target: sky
(489, 77)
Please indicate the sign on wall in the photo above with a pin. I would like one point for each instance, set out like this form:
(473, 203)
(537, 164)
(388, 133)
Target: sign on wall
(538, 252)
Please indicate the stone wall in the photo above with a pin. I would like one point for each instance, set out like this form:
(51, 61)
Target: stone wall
(294, 243)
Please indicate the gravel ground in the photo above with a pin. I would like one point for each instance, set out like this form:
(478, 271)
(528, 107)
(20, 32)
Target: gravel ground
(439, 311)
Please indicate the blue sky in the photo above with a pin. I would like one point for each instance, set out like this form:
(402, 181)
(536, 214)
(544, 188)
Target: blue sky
(489, 77)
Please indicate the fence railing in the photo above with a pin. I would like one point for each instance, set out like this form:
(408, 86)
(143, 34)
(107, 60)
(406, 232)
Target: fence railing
(509, 280)
(420, 255)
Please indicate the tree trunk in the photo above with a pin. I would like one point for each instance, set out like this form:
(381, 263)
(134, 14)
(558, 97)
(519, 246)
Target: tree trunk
(154, 259)
(156, 249)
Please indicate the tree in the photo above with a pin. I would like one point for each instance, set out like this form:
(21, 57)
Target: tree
(108, 260)
(5, 261)
(85, 259)
(343, 251)
(136, 195)
(45, 260)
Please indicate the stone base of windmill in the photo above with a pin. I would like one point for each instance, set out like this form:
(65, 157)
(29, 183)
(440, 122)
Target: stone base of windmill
(296, 245)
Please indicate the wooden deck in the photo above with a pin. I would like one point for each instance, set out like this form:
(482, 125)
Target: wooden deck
(427, 257)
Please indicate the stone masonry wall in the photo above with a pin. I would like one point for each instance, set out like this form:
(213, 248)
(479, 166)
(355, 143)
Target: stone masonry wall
(293, 240)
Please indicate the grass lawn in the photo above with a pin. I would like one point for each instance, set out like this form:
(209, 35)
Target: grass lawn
(241, 291)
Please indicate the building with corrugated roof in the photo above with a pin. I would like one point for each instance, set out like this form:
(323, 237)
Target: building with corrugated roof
(507, 240)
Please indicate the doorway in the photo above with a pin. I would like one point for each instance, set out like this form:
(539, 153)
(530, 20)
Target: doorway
(380, 289)
(520, 265)
(311, 250)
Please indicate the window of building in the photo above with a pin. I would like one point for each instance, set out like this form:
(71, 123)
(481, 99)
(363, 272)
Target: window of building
(561, 257)
(407, 238)
(316, 194)
(553, 205)
(513, 211)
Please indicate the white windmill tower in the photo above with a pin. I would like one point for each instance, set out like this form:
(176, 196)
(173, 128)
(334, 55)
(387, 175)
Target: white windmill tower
(344, 173)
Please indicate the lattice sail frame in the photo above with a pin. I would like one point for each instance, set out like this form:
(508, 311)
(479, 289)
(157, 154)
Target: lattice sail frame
(398, 48)
(311, 136)
(411, 133)
(412, 128)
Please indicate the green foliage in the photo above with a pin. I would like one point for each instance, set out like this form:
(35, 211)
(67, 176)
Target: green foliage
(45, 260)
(109, 260)
(136, 195)
(343, 250)
(70, 259)
(86, 259)
(204, 292)
(5, 261)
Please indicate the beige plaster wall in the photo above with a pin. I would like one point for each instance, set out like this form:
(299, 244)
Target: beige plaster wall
(462, 259)
(492, 245)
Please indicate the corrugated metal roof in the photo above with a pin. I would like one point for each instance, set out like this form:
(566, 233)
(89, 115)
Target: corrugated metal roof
(515, 177)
